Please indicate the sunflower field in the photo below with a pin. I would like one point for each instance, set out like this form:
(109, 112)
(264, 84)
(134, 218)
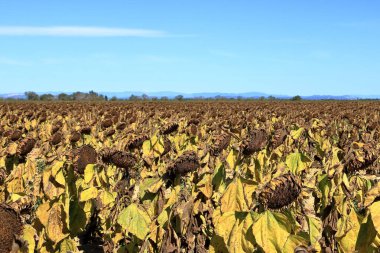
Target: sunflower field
(190, 176)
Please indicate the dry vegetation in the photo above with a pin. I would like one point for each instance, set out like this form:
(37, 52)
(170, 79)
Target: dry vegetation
(190, 176)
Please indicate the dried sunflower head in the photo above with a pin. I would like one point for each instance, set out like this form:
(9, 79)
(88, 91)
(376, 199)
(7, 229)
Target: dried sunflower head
(360, 157)
(25, 146)
(83, 156)
(256, 141)
(168, 129)
(220, 142)
(184, 164)
(137, 142)
(280, 191)
(56, 138)
(106, 123)
(120, 158)
(75, 137)
(10, 227)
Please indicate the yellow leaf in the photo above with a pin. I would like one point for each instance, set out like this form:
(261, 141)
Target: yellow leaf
(296, 133)
(233, 198)
(295, 241)
(50, 189)
(34, 123)
(374, 209)
(315, 229)
(56, 167)
(42, 213)
(90, 193)
(348, 231)
(150, 184)
(146, 147)
(233, 227)
(205, 185)
(173, 197)
(271, 231)
(159, 146)
(16, 185)
(55, 228)
(367, 235)
(297, 162)
(135, 221)
(27, 125)
(107, 197)
(154, 139)
(15, 196)
(89, 173)
(60, 178)
(68, 245)
(372, 194)
(224, 225)
(232, 158)
(2, 162)
(249, 187)
(163, 217)
(28, 234)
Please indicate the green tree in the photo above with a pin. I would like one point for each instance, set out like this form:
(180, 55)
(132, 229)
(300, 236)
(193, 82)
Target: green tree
(64, 97)
(78, 95)
(134, 98)
(31, 95)
(178, 97)
(47, 97)
(144, 97)
(296, 98)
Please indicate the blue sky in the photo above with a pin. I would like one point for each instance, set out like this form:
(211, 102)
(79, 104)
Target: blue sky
(278, 47)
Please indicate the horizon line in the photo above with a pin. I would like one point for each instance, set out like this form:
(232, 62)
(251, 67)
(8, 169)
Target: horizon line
(194, 93)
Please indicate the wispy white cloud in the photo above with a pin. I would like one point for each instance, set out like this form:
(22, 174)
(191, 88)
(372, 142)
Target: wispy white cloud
(78, 31)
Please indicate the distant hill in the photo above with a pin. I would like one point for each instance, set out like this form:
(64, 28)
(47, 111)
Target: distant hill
(171, 95)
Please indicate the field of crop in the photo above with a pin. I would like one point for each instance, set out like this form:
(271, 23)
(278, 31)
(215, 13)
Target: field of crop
(194, 176)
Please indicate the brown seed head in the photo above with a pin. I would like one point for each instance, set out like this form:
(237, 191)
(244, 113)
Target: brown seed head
(10, 227)
(25, 146)
(83, 156)
(137, 142)
(16, 134)
(106, 123)
(256, 141)
(168, 129)
(184, 164)
(75, 136)
(56, 138)
(280, 191)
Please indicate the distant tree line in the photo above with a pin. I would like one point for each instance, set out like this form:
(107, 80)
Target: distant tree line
(94, 96)
(91, 95)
